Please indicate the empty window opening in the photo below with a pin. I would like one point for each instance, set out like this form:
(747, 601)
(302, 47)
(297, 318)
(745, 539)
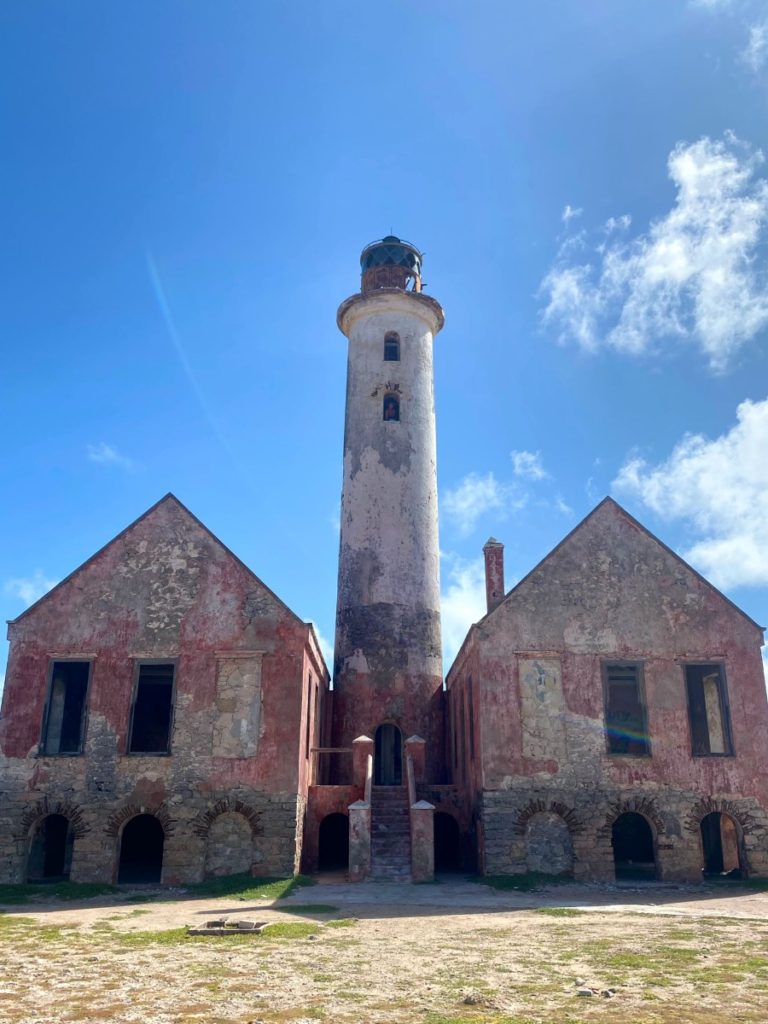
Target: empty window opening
(720, 846)
(447, 842)
(50, 853)
(391, 407)
(65, 714)
(392, 348)
(333, 843)
(141, 850)
(633, 848)
(707, 710)
(152, 710)
(549, 849)
(388, 756)
(625, 720)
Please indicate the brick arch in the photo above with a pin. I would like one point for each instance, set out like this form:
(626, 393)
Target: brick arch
(708, 805)
(202, 824)
(116, 821)
(644, 805)
(534, 807)
(72, 812)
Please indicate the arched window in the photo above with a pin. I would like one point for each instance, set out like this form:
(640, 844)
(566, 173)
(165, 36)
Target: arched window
(392, 348)
(391, 407)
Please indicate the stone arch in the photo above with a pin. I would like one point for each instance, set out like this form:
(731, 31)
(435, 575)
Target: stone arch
(643, 805)
(72, 812)
(568, 815)
(117, 821)
(708, 805)
(633, 840)
(202, 824)
(142, 848)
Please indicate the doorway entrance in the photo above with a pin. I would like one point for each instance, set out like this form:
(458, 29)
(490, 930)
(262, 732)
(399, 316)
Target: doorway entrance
(720, 846)
(141, 850)
(447, 842)
(50, 854)
(388, 756)
(633, 848)
(333, 843)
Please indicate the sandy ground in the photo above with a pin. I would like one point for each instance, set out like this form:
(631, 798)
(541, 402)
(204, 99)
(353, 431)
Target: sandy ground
(450, 952)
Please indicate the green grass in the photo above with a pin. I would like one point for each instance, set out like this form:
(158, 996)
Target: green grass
(560, 912)
(342, 922)
(528, 882)
(17, 894)
(245, 887)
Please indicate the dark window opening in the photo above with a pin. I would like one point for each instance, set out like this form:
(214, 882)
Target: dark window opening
(391, 407)
(65, 715)
(152, 710)
(333, 843)
(720, 844)
(633, 851)
(388, 756)
(447, 842)
(707, 710)
(625, 720)
(141, 850)
(392, 348)
(50, 854)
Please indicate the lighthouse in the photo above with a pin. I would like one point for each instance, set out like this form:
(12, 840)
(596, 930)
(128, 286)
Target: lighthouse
(388, 660)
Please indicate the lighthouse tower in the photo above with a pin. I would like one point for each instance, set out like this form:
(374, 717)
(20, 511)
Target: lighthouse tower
(388, 661)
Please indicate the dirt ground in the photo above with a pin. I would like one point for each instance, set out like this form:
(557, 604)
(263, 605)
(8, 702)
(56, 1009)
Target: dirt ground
(451, 952)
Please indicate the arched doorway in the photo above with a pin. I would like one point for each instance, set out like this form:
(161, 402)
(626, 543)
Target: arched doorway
(50, 852)
(333, 843)
(720, 845)
(229, 846)
(388, 756)
(141, 850)
(634, 855)
(549, 849)
(447, 842)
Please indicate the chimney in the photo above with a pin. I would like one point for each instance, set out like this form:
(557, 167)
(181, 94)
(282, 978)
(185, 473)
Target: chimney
(494, 573)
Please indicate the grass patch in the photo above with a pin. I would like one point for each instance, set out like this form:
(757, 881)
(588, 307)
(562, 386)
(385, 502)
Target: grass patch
(560, 912)
(342, 922)
(528, 882)
(17, 894)
(246, 887)
(309, 908)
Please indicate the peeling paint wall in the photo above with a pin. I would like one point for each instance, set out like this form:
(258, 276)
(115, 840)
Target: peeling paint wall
(164, 589)
(611, 592)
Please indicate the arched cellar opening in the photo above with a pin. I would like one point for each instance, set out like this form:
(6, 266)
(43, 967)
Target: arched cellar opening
(549, 849)
(229, 848)
(720, 846)
(333, 843)
(141, 850)
(447, 842)
(388, 756)
(50, 852)
(634, 855)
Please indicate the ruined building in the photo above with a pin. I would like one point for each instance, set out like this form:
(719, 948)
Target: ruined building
(167, 718)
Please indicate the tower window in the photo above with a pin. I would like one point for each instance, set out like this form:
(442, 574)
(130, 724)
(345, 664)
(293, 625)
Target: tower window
(391, 407)
(392, 348)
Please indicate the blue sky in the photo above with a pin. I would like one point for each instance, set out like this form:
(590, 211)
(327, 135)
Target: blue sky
(185, 190)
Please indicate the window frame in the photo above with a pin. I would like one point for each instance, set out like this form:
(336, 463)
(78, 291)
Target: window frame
(725, 707)
(137, 665)
(625, 663)
(42, 745)
(395, 397)
(392, 338)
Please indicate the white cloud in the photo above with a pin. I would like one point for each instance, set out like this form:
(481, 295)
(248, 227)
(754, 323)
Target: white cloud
(462, 601)
(563, 506)
(755, 53)
(719, 487)
(29, 589)
(106, 455)
(712, 5)
(528, 465)
(570, 212)
(476, 495)
(696, 275)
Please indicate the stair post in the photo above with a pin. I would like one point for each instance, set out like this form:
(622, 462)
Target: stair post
(422, 827)
(360, 825)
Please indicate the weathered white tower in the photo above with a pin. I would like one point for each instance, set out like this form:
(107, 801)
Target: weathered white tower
(388, 661)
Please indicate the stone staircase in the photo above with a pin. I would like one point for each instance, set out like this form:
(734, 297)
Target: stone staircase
(390, 834)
